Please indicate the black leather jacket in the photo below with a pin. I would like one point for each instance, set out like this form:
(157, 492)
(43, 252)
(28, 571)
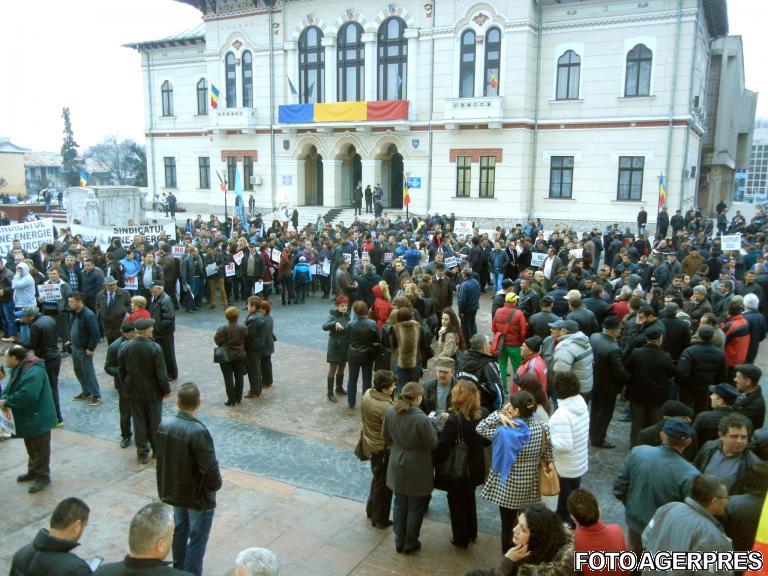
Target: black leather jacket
(363, 337)
(47, 556)
(163, 314)
(187, 470)
(142, 371)
(43, 340)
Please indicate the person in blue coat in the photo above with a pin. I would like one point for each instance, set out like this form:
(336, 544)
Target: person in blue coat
(469, 303)
(302, 277)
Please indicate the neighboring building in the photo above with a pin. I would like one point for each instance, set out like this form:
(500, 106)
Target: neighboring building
(568, 111)
(11, 169)
(757, 175)
(729, 123)
(44, 170)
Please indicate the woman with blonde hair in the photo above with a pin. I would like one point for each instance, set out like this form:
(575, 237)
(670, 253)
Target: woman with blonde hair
(465, 415)
(410, 475)
(138, 310)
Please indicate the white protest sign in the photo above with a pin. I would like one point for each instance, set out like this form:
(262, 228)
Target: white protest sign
(275, 256)
(537, 259)
(313, 269)
(388, 257)
(348, 258)
(7, 423)
(326, 268)
(103, 235)
(462, 227)
(258, 287)
(229, 269)
(238, 257)
(132, 283)
(732, 242)
(452, 262)
(179, 251)
(49, 291)
(30, 234)
(211, 269)
(576, 253)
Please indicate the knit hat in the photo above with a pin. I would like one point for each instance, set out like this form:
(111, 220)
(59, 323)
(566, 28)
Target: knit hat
(533, 343)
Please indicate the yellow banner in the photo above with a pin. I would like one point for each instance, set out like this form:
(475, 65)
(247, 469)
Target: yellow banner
(341, 112)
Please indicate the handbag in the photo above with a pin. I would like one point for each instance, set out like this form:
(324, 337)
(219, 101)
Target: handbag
(220, 355)
(456, 466)
(359, 451)
(549, 482)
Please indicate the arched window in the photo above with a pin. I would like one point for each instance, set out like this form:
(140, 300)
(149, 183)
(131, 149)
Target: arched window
(467, 65)
(247, 79)
(492, 62)
(202, 97)
(311, 65)
(638, 81)
(229, 62)
(167, 91)
(568, 71)
(393, 59)
(351, 62)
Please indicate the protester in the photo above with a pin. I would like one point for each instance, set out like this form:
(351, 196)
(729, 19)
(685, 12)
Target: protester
(721, 397)
(84, 337)
(113, 304)
(44, 344)
(255, 343)
(592, 534)
(509, 327)
(363, 337)
(338, 344)
(729, 457)
(268, 345)
(230, 339)
(256, 561)
(164, 315)
(112, 367)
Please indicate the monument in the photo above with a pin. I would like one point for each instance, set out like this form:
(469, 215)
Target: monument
(95, 206)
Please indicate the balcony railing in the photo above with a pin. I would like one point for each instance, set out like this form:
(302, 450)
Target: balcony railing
(484, 109)
(235, 118)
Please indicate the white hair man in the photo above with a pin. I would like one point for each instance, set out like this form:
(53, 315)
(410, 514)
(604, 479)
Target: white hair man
(256, 562)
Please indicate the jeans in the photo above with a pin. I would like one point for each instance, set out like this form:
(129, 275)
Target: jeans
(567, 485)
(196, 287)
(408, 514)
(85, 373)
(9, 319)
(405, 375)
(498, 277)
(468, 324)
(354, 371)
(190, 538)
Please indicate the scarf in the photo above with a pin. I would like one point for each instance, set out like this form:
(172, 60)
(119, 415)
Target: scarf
(507, 443)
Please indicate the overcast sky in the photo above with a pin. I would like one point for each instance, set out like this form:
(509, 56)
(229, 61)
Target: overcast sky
(57, 53)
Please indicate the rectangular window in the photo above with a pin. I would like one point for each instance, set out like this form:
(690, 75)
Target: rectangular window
(561, 177)
(463, 176)
(231, 168)
(170, 171)
(204, 169)
(247, 172)
(630, 185)
(487, 176)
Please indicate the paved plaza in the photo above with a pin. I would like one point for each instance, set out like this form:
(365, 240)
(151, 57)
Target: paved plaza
(291, 481)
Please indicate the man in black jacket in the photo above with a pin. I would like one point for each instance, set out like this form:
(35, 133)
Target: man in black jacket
(538, 323)
(188, 478)
(112, 304)
(729, 457)
(111, 367)
(84, 337)
(742, 514)
(44, 343)
(699, 367)
(482, 366)
(609, 378)
(722, 398)
(750, 402)
(50, 551)
(670, 410)
(162, 311)
(143, 376)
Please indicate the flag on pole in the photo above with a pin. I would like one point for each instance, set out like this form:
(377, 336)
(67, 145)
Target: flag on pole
(84, 178)
(292, 88)
(406, 192)
(239, 208)
(214, 96)
(761, 543)
(662, 192)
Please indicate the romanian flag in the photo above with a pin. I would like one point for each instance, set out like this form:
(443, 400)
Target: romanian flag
(406, 193)
(214, 96)
(662, 192)
(84, 178)
(761, 542)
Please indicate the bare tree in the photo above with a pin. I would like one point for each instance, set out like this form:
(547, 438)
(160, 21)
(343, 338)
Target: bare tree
(125, 159)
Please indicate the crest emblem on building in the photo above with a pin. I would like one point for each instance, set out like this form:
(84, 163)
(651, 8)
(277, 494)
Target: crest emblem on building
(237, 44)
(415, 143)
(480, 19)
(286, 145)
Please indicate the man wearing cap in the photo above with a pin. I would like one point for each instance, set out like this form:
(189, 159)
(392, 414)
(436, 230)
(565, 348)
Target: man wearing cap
(728, 457)
(161, 308)
(509, 328)
(84, 337)
(43, 342)
(112, 304)
(650, 369)
(610, 376)
(573, 354)
(700, 366)
(144, 379)
(111, 367)
(670, 410)
(652, 476)
(750, 402)
(437, 391)
(722, 396)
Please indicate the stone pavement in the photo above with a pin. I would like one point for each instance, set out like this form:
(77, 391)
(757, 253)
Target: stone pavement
(291, 475)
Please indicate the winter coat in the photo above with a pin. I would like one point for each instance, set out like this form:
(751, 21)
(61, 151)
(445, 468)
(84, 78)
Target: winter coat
(382, 308)
(510, 322)
(49, 556)
(363, 337)
(758, 328)
(699, 367)
(569, 433)
(233, 337)
(747, 460)
(586, 320)
(24, 293)
(257, 333)
(469, 295)
(752, 405)
(130, 566)
(338, 340)
(413, 437)
(560, 565)
(28, 395)
(84, 330)
(736, 330)
(574, 354)
(406, 338)
(373, 408)
(706, 423)
(485, 371)
(535, 365)
(609, 373)
(442, 293)
(142, 371)
(651, 369)
(742, 516)
(476, 458)
(538, 324)
(678, 336)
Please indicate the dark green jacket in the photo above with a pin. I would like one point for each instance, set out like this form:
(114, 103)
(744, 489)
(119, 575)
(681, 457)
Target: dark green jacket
(30, 399)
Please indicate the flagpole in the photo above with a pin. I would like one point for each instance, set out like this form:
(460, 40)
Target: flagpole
(224, 188)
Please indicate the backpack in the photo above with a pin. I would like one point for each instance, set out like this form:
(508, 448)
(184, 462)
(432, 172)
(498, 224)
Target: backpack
(302, 274)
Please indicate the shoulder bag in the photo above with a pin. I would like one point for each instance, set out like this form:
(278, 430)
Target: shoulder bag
(221, 355)
(456, 466)
(549, 483)
(359, 450)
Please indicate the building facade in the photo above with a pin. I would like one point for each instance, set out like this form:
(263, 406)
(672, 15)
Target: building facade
(757, 175)
(566, 111)
(11, 169)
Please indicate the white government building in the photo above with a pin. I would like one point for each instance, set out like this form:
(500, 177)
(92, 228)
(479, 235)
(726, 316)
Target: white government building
(558, 109)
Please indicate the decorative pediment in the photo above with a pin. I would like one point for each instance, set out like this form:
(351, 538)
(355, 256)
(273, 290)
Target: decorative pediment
(480, 19)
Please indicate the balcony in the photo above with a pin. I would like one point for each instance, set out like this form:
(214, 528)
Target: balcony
(463, 110)
(234, 119)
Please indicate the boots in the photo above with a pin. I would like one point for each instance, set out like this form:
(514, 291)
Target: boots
(331, 397)
(339, 385)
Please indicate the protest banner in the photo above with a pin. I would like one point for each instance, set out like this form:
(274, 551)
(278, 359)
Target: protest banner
(452, 262)
(211, 269)
(179, 251)
(537, 259)
(275, 256)
(30, 234)
(325, 270)
(132, 283)
(49, 291)
(347, 257)
(732, 242)
(238, 257)
(576, 253)
(258, 287)
(7, 423)
(229, 269)
(462, 228)
(103, 235)
(388, 257)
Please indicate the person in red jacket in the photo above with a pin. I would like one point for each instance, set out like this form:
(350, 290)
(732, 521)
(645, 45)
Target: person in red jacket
(509, 328)
(533, 363)
(736, 329)
(382, 306)
(592, 534)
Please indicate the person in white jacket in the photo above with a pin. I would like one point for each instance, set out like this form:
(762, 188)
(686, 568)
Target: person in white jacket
(569, 434)
(23, 287)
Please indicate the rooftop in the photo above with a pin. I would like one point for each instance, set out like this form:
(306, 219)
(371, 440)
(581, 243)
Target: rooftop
(194, 35)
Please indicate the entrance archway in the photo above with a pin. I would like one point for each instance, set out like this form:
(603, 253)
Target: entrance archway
(313, 178)
(392, 177)
(351, 174)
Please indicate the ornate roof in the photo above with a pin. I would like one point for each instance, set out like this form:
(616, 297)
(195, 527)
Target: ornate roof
(194, 35)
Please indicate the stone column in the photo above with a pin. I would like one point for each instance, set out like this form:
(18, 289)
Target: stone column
(371, 172)
(292, 73)
(331, 183)
(412, 35)
(370, 67)
(329, 43)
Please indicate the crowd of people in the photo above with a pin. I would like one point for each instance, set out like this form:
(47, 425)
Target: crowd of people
(665, 326)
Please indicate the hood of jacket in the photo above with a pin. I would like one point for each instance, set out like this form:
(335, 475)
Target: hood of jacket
(474, 360)
(24, 268)
(377, 292)
(577, 339)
